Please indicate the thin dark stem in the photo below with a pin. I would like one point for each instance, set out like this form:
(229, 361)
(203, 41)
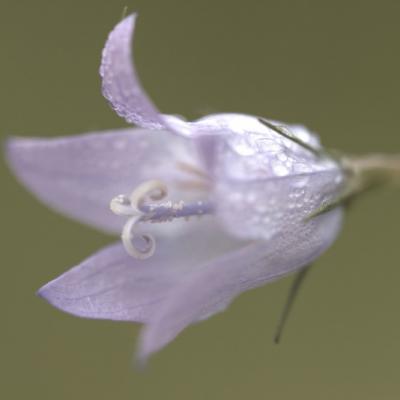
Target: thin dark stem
(293, 291)
(281, 131)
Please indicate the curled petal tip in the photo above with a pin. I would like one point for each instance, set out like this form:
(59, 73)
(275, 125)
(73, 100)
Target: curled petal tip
(120, 83)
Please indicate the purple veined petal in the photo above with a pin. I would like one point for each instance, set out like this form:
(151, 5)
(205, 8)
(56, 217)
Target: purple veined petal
(113, 285)
(120, 83)
(208, 147)
(257, 209)
(79, 175)
(263, 181)
(214, 285)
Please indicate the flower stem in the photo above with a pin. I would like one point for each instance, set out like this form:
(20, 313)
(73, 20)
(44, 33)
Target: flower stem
(372, 170)
(362, 174)
(380, 166)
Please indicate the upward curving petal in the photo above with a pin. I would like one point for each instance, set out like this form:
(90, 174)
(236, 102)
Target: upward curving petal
(214, 285)
(79, 175)
(120, 83)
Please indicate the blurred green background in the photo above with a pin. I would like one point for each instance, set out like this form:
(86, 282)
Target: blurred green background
(332, 65)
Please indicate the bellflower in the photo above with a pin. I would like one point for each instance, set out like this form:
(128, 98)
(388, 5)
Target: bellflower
(206, 209)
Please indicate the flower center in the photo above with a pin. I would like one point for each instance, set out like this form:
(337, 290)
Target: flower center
(145, 205)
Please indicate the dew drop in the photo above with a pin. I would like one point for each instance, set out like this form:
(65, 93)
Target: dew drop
(280, 169)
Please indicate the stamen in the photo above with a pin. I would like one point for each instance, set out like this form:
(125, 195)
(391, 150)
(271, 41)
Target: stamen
(192, 170)
(199, 186)
(138, 208)
(197, 179)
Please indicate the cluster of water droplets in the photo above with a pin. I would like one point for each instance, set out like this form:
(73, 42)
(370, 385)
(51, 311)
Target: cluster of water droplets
(264, 208)
(266, 180)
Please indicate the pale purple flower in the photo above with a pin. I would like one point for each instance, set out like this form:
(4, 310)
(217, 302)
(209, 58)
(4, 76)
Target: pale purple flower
(246, 191)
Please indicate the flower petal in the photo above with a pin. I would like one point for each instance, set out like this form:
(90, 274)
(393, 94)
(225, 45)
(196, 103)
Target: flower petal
(213, 285)
(113, 285)
(258, 209)
(254, 151)
(79, 175)
(120, 84)
(263, 179)
(244, 125)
